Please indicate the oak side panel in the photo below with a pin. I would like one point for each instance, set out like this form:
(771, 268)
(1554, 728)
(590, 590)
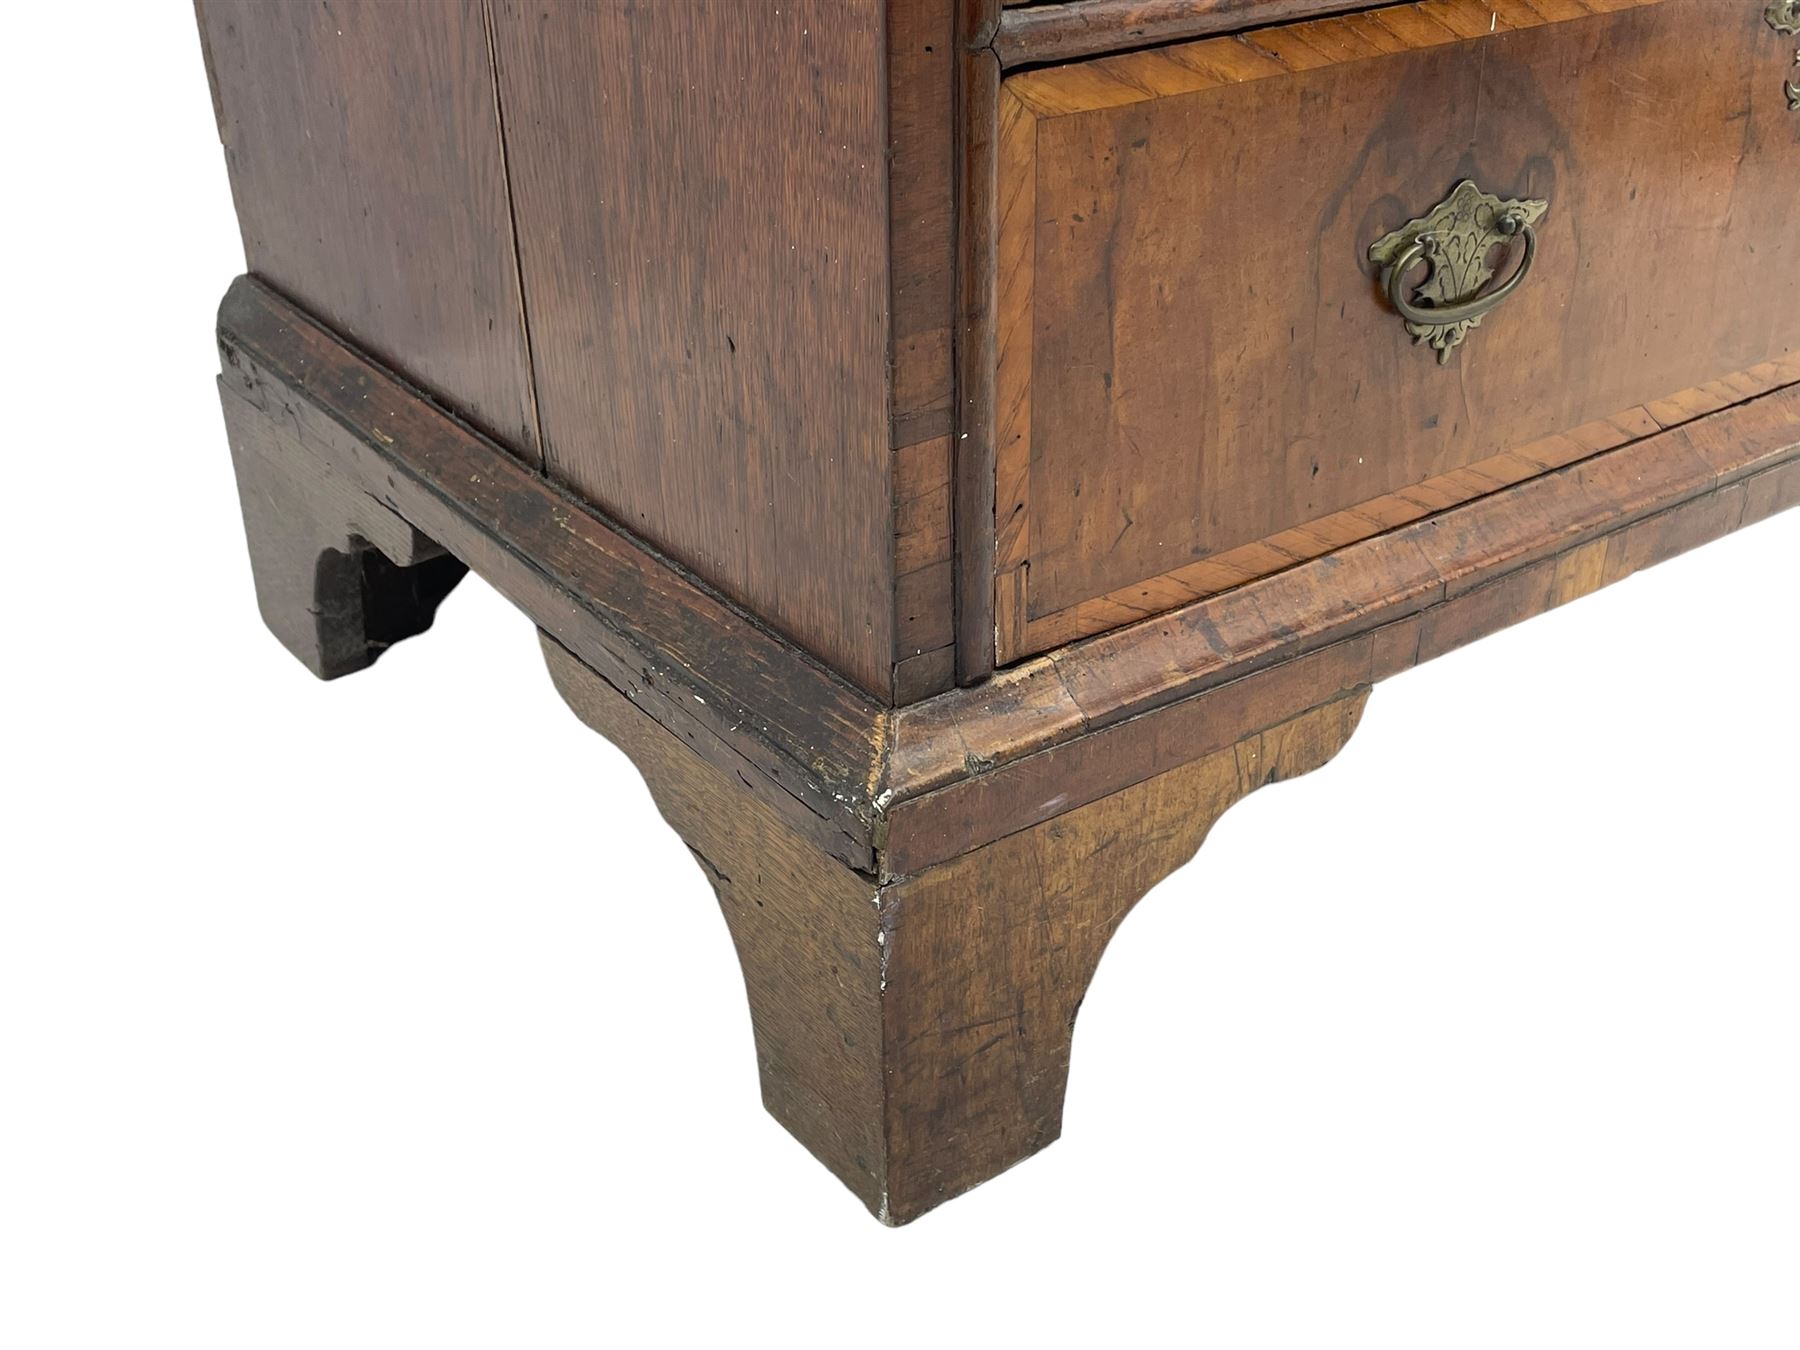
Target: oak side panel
(365, 161)
(702, 203)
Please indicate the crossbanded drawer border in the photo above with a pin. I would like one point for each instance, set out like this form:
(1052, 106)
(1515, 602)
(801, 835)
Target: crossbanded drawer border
(1030, 97)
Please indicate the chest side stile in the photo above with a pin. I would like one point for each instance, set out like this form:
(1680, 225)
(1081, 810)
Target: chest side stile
(702, 202)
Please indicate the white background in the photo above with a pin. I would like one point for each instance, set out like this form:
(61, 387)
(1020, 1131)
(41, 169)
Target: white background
(387, 1012)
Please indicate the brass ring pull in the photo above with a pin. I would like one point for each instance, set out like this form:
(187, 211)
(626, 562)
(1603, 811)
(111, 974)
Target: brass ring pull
(1454, 239)
(1784, 17)
(1427, 249)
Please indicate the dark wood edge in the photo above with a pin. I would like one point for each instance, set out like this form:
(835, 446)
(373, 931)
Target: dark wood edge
(978, 121)
(1042, 34)
(212, 77)
(690, 659)
(891, 791)
(975, 764)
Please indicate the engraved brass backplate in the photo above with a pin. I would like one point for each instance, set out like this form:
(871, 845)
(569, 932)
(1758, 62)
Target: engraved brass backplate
(1457, 239)
(1784, 18)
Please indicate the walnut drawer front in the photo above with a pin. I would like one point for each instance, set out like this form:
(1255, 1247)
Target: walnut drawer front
(1201, 375)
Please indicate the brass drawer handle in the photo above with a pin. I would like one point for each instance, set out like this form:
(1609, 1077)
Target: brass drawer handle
(1427, 248)
(1784, 17)
(1454, 239)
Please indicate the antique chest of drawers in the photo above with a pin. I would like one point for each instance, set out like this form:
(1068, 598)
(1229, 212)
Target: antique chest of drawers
(959, 448)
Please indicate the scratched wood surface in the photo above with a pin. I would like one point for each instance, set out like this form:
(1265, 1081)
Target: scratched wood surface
(977, 338)
(339, 578)
(925, 52)
(924, 561)
(804, 924)
(800, 735)
(988, 956)
(702, 202)
(1187, 369)
(1038, 32)
(924, 49)
(916, 1035)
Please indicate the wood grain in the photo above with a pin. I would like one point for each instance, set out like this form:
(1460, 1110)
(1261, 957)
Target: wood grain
(922, 505)
(1315, 539)
(806, 929)
(919, 677)
(1192, 381)
(894, 791)
(975, 365)
(924, 552)
(1045, 33)
(924, 50)
(916, 1036)
(965, 765)
(339, 577)
(930, 103)
(800, 736)
(988, 957)
(702, 203)
(366, 166)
